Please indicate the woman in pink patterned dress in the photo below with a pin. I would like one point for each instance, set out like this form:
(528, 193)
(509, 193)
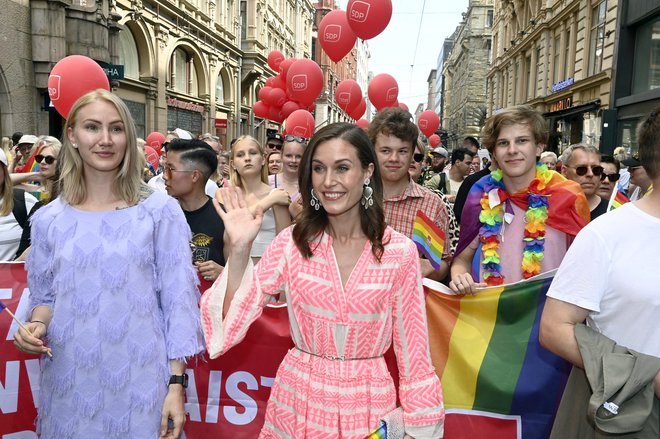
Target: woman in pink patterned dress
(353, 286)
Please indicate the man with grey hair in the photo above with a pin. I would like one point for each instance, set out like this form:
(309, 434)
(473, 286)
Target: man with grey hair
(213, 142)
(581, 163)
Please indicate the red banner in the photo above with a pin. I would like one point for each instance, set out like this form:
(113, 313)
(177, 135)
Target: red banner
(226, 396)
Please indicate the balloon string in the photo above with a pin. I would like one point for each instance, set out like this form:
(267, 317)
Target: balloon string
(419, 31)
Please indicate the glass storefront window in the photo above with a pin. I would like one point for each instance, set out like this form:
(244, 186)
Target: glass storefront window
(128, 54)
(627, 134)
(646, 70)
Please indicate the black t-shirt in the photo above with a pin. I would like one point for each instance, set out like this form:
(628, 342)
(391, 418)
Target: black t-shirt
(461, 196)
(207, 229)
(600, 209)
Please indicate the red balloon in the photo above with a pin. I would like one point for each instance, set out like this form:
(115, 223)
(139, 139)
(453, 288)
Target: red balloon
(269, 81)
(276, 97)
(304, 81)
(155, 140)
(300, 123)
(311, 107)
(285, 66)
(359, 110)
(264, 93)
(348, 95)
(404, 106)
(289, 107)
(368, 18)
(279, 82)
(260, 109)
(428, 122)
(73, 77)
(275, 58)
(275, 114)
(335, 35)
(152, 156)
(434, 140)
(362, 123)
(383, 91)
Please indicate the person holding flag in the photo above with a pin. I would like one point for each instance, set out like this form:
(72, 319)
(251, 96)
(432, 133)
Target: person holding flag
(519, 220)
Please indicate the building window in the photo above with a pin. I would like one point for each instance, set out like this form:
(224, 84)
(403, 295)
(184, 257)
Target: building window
(597, 37)
(219, 91)
(646, 69)
(128, 54)
(489, 18)
(182, 74)
(557, 54)
(489, 50)
(528, 77)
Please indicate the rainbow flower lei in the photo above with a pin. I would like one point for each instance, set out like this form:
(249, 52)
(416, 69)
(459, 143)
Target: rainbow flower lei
(492, 217)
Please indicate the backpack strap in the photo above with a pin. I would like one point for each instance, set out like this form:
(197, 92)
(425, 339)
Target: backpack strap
(20, 210)
(442, 184)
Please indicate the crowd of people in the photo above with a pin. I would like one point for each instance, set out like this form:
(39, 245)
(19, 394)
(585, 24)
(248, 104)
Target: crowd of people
(114, 257)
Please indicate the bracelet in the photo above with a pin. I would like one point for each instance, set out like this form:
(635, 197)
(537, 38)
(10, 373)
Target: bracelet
(39, 321)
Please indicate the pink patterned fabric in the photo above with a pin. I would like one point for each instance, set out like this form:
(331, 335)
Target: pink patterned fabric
(316, 397)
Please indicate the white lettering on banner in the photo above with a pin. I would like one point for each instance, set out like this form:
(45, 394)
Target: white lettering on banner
(21, 311)
(173, 102)
(192, 400)
(21, 435)
(240, 397)
(34, 376)
(9, 389)
(213, 401)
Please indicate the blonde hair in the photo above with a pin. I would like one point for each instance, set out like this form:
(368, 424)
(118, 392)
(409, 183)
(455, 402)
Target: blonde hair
(234, 176)
(6, 146)
(128, 181)
(7, 193)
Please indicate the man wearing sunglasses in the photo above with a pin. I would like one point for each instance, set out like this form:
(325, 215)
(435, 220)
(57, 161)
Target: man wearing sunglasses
(274, 142)
(581, 163)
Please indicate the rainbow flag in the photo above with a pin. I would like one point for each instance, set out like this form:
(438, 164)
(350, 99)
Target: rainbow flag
(617, 199)
(429, 238)
(497, 380)
(380, 433)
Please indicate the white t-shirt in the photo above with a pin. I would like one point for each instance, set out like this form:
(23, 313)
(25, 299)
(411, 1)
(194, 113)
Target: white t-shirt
(158, 183)
(612, 270)
(11, 231)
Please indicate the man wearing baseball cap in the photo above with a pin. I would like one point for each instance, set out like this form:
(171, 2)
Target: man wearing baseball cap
(638, 177)
(274, 142)
(438, 179)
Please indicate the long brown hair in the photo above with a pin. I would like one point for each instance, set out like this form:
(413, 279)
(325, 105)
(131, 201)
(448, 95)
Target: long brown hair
(7, 193)
(312, 223)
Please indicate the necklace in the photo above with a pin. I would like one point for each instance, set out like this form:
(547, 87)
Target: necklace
(492, 218)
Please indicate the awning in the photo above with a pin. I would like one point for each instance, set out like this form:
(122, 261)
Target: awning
(589, 106)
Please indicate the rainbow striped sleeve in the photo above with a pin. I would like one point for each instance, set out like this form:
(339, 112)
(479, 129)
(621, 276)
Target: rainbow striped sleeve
(429, 238)
(380, 433)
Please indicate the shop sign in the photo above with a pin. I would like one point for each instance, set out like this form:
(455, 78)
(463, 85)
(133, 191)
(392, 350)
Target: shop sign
(562, 104)
(221, 123)
(191, 106)
(562, 84)
(114, 72)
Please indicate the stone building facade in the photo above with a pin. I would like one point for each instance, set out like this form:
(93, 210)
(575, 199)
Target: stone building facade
(557, 56)
(192, 64)
(464, 74)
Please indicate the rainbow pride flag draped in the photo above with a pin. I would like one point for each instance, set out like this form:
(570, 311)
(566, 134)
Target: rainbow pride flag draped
(429, 238)
(617, 199)
(497, 380)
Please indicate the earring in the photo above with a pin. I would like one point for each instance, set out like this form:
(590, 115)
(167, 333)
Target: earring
(367, 192)
(314, 202)
(75, 145)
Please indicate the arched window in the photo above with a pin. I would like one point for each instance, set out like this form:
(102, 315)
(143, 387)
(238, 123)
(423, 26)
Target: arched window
(128, 54)
(219, 90)
(182, 73)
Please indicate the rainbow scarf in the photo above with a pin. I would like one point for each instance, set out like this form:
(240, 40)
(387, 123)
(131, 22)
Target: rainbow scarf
(429, 238)
(380, 433)
(567, 210)
(486, 351)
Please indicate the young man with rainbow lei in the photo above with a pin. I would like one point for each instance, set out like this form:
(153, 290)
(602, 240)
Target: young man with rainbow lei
(519, 220)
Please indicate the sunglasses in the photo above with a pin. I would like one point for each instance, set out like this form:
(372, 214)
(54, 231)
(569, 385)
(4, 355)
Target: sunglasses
(582, 170)
(418, 157)
(49, 159)
(276, 146)
(290, 138)
(167, 170)
(611, 177)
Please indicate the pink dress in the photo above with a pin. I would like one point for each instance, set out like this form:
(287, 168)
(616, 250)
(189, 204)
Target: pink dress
(315, 394)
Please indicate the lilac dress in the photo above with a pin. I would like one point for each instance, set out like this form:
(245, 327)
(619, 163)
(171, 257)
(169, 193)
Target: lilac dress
(123, 292)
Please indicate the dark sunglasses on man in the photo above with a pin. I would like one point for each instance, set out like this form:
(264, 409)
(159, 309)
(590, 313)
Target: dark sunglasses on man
(582, 170)
(49, 159)
(290, 138)
(418, 157)
(613, 177)
(277, 146)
